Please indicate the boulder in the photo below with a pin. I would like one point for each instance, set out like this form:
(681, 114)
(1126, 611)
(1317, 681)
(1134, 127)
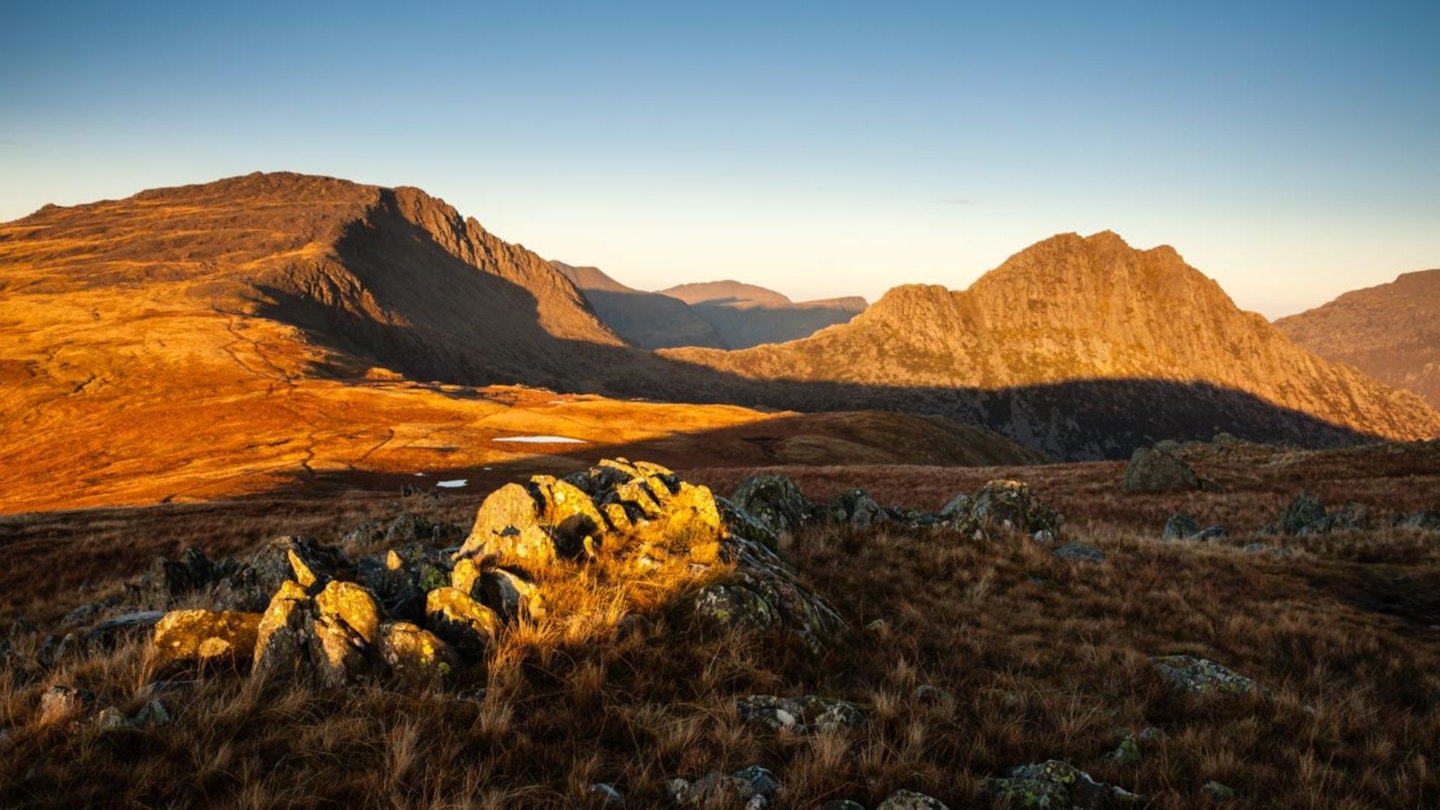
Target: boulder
(462, 622)
(1352, 516)
(511, 596)
(205, 637)
(168, 580)
(286, 632)
(1202, 675)
(347, 623)
(414, 657)
(802, 715)
(750, 788)
(1003, 505)
(910, 800)
(1079, 552)
(1301, 512)
(1154, 470)
(857, 508)
(956, 507)
(1057, 784)
(309, 564)
(773, 500)
(1180, 526)
(508, 525)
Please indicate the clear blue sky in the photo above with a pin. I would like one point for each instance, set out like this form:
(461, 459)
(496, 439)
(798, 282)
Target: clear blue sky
(1290, 152)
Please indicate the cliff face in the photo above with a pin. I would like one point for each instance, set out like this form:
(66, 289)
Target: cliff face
(1129, 332)
(1391, 332)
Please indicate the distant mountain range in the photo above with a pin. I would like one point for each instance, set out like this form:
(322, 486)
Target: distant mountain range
(1391, 332)
(1081, 347)
(716, 314)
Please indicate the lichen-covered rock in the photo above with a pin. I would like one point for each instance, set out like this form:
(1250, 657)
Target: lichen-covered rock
(775, 501)
(205, 637)
(167, 580)
(413, 656)
(1350, 517)
(1422, 521)
(744, 526)
(1301, 512)
(1079, 552)
(347, 623)
(253, 584)
(508, 525)
(1180, 526)
(1203, 675)
(285, 632)
(956, 507)
(1057, 784)
(910, 800)
(750, 788)
(1008, 506)
(464, 623)
(403, 576)
(807, 714)
(1154, 470)
(857, 508)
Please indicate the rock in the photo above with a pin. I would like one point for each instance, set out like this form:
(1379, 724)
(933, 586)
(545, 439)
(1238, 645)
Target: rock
(1217, 792)
(462, 622)
(1003, 505)
(152, 715)
(728, 606)
(414, 657)
(910, 800)
(927, 694)
(89, 613)
(751, 788)
(1180, 526)
(110, 718)
(167, 580)
(1057, 784)
(347, 623)
(533, 523)
(958, 506)
(1255, 548)
(603, 794)
(1202, 675)
(105, 634)
(205, 637)
(1216, 532)
(1128, 752)
(745, 526)
(857, 508)
(1154, 470)
(511, 596)
(775, 501)
(1080, 552)
(803, 715)
(401, 580)
(1301, 512)
(61, 704)
(253, 584)
(1423, 521)
(1352, 516)
(411, 529)
(285, 633)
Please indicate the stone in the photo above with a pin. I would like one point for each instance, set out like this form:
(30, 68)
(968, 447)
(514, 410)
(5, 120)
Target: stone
(1004, 505)
(110, 718)
(958, 506)
(857, 508)
(412, 529)
(910, 800)
(402, 578)
(347, 623)
(415, 657)
(462, 622)
(508, 525)
(803, 715)
(205, 637)
(89, 613)
(511, 596)
(1180, 526)
(1152, 470)
(253, 584)
(1079, 552)
(1057, 784)
(1208, 533)
(774, 500)
(285, 632)
(167, 580)
(604, 794)
(152, 715)
(753, 786)
(726, 606)
(1217, 792)
(1201, 675)
(745, 526)
(1423, 521)
(1350, 517)
(1301, 512)
(61, 704)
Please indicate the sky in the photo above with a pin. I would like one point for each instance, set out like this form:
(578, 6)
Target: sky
(1291, 151)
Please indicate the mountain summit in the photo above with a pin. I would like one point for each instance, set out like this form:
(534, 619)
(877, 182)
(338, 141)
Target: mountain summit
(1086, 347)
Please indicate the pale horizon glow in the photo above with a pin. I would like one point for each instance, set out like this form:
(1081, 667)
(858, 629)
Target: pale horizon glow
(1291, 152)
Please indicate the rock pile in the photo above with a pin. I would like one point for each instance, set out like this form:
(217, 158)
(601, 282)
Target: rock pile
(415, 614)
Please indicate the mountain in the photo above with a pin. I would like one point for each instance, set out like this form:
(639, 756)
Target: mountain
(1391, 332)
(648, 320)
(275, 330)
(1085, 348)
(745, 315)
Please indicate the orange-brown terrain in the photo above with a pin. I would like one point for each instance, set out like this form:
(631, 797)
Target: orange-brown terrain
(228, 584)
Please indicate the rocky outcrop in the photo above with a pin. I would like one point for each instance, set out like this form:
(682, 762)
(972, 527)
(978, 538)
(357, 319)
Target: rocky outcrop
(1057, 784)
(1154, 470)
(205, 637)
(1306, 515)
(775, 501)
(1005, 506)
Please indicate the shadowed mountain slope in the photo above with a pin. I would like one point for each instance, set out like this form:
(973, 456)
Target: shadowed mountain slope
(746, 315)
(1391, 332)
(648, 320)
(1085, 347)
